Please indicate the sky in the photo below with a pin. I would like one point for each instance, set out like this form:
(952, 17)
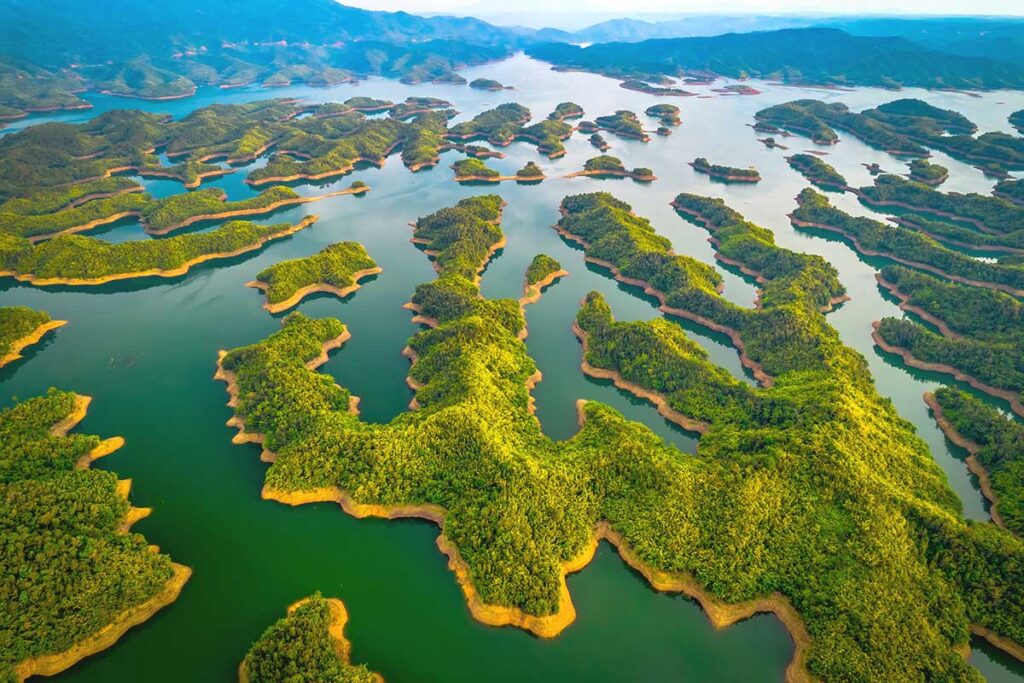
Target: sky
(536, 9)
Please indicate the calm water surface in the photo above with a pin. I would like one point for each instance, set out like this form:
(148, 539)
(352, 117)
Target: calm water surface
(146, 352)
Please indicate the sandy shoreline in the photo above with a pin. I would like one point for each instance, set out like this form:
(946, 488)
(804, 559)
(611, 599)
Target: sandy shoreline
(612, 174)
(33, 337)
(1013, 398)
(762, 377)
(294, 299)
(255, 211)
(905, 305)
(156, 272)
(108, 635)
(664, 409)
(972, 448)
(907, 262)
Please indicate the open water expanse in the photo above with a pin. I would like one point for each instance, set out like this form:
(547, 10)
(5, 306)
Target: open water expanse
(145, 350)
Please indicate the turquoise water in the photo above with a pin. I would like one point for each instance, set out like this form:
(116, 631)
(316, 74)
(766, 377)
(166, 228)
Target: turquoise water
(146, 351)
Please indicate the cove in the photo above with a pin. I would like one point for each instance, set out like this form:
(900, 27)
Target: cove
(145, 351)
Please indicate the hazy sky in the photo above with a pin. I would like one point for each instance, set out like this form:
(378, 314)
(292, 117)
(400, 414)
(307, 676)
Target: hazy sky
(633, 7)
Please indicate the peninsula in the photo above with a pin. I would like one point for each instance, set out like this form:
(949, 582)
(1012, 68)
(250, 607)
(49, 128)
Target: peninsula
(21, 327)
(310, 639)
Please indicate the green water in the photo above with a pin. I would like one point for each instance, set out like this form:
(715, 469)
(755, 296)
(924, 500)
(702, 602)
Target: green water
(146, 352)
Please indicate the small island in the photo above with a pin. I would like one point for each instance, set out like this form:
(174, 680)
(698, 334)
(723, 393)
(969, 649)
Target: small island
(726, 173)
(662, 91)
(668, 113)
(414, 106)
(530, 173)
(873, 168)
(771, 143)
(542, 272)
(611, 167)
(623, 123)
(822, 174)
(308, 644)
(597, 140)
(335, 270)
(566, 110)
(587, 127)
(923, 171)
(21, 327)
(475, 170)
(488, 84)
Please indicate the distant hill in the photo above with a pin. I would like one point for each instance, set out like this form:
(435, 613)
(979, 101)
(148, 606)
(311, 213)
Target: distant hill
(802, 55)
(56, 32)
(1000, 38)
(50, 50)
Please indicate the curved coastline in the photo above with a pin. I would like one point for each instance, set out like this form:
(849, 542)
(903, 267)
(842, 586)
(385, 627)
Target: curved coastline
(972, 448)
(157, 272)
(294, 299)
(548, 626)
(913, 264)
(613, 174)
(255, 211)
(345, 170)
(33, 337)
(905, 305)
(762, 377)
(532, 292)
(943, 239)
(1011, 397)
(335, 629)
(664, 409)
(108, 635)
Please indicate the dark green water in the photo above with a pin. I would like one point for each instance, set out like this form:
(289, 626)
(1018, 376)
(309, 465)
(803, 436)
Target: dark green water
(146, 353)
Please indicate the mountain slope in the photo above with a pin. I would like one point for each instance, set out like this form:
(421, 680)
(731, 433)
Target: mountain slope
(802, 55)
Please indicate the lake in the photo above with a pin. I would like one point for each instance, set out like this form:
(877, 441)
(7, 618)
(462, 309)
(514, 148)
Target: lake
(145, 350)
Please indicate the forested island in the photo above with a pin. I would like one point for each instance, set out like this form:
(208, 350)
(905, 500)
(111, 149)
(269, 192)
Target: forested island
(988, 214)
(611, 167)
(923, 171)
(21, 327)
(623, 123)
(81, 260)
(77, 577)
(727, 173)
(981, 332)
(906, 127)
(542, 272)
(905, 245)
(891, 518)
(337, 270)
(488, 84)
(818, 172)
(567, 110)
(667, 113)
(307, 644)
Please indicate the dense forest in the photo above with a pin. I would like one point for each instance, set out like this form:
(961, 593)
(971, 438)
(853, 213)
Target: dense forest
(77, 259)
(990, 214)
(307, 645)
(904, 244)
(18, 324)
(71, 567)
(747, 175)
(817, 171)
(906, 127)
(623, 123)
(1000, 449)
(338, 266)
(812, 489)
